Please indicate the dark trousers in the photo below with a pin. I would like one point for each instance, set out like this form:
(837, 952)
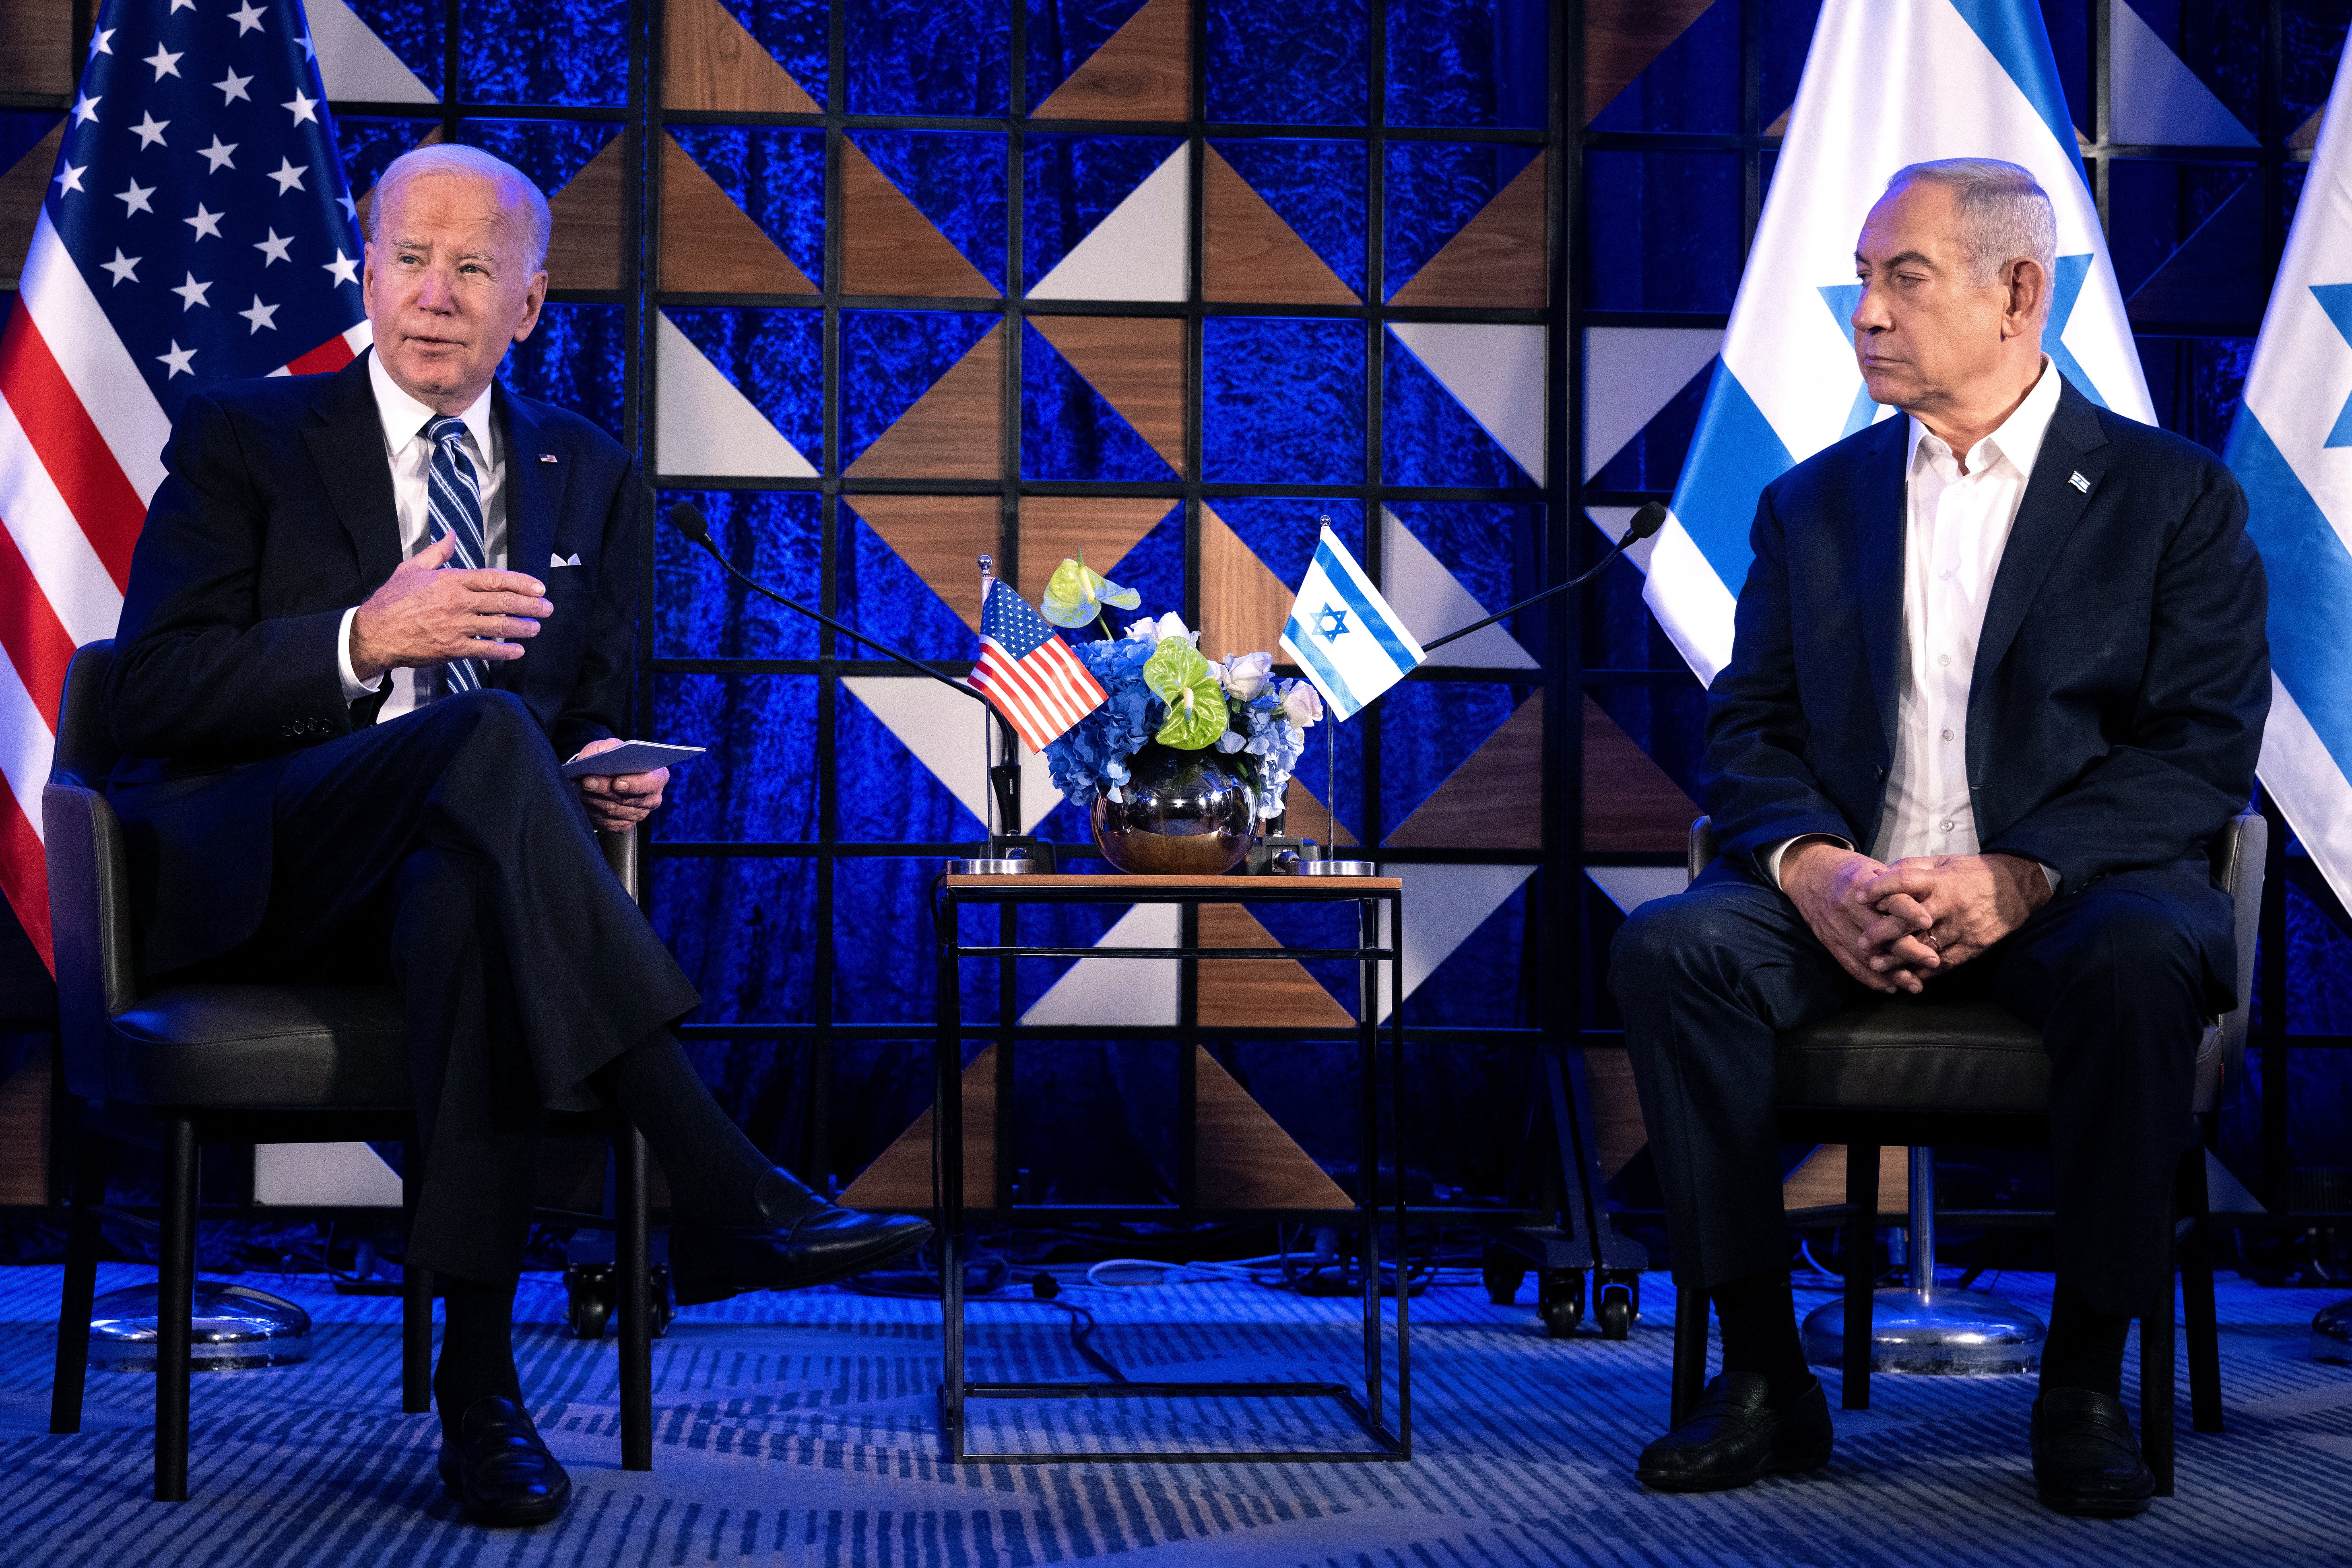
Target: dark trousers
(2115, 975)
(445, 852)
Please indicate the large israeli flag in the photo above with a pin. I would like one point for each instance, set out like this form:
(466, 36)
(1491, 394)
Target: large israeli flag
(1343, 634)
(2292, 448)
(1888, 83)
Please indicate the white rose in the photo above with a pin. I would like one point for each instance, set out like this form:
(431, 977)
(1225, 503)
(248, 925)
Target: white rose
(1245, 674)
(1302, 704)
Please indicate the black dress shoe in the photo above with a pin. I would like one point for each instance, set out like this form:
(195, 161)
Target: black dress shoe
(807, 1241)
(2085, 1461)
(498, 1467)
(1735, 1436)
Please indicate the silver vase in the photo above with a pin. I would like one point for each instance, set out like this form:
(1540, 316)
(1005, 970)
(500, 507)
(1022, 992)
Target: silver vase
(1179, 814)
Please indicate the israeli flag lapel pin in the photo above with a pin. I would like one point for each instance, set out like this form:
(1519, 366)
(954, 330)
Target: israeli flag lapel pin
(2079, 482)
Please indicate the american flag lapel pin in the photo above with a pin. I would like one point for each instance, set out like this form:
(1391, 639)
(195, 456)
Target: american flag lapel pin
(2079, 482)
(550, 456)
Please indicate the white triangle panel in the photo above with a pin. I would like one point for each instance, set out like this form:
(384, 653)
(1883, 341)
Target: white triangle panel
(1432, 601)
(703, 425)
(355, 64)
(1496, 372)
(1442, 905)
(2154, 97)
(1141, 991)
(951, 736)
(1629, 373)
(333, 1175)
(1137, 252)
(1630, 887)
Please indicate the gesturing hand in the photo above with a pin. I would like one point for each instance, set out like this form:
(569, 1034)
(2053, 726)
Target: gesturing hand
(427, 614)
(1829, 885)
(618, 801)
(1971, 901)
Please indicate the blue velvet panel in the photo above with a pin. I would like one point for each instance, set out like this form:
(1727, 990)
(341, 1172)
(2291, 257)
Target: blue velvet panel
(1282, 401)
(756, 782)
(1068, 431)
(1693, 86)
(1281, 531)
(776, 176)
(700, 612)
(1666, 230)
(1315, 187)
(1274, 62)
(1468, 62)
(883, 793)
(957, 179)
(890, 358)
(1063, 35)
(2156, 204)
(2313, 33)
(1154, 568)
(929, 57)
(1490, 548)
(366, 145)
(1427, 729)
(1653, 459)
(775, 358)
(885, 960)
(1429, 439)
(2196, 384)
(573, 52)
(880, 595)
(745, 932)
(550, 151)
(2220, 42)
(1070, 183)
(21, 132)
(1669, 722)
(793, 31)
(1478, 986)
(411, 30)
(1789, 36)
(576, 358)
(1433, 189)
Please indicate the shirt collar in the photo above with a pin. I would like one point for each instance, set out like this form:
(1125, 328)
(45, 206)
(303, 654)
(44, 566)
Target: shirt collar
(404, 419)
(2019, 440)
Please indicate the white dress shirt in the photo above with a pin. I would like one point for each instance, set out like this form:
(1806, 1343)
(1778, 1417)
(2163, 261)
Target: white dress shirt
(1955, 526)
(411, 454)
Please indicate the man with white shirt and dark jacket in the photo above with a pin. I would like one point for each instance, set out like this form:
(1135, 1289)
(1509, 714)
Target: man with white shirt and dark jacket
(368, 617)
(1998, 676)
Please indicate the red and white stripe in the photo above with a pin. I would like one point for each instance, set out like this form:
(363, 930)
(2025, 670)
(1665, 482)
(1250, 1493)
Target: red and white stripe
(1041, 696)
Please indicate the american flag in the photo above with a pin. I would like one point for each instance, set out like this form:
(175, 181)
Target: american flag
(198, 230)
(1028, 673)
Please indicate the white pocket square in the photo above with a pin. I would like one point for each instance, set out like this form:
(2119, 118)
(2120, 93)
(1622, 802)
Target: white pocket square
(559, 561)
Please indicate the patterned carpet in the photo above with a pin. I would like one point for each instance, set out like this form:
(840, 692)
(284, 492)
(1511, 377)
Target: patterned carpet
(800, 1430)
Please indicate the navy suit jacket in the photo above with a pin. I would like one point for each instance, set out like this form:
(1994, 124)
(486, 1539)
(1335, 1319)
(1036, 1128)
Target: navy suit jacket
(275, 516)
(2115, 709)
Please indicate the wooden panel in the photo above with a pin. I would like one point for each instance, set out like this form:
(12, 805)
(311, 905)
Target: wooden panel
(1138, 365)
(586, 226)
(36, 46)
(709, 62)
(901, 1176)
(1247, 992)
(1053, 528)
(2307, 135)
(954, 431)
(710, 245)
(1243, 606)
(24, 1133)
(1821, 1180)
(1629, 801)
(1249, 253)
(940, 538)
(1622, 37)
(21, 190)
(1241, 1157)
(1498, 259)
(888, 247)
(1616, 1108)
(1302, 813)
(1141, 72)
(1495, 799)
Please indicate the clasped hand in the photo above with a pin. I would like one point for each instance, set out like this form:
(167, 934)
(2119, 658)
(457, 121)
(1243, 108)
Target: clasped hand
(1890, 927)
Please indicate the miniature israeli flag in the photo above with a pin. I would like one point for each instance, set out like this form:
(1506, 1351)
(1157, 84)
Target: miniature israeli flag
(2291, 447)
(1888, 83)
(1343, 634)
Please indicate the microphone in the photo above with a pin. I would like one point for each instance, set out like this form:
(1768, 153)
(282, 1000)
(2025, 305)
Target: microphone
(1646, 521)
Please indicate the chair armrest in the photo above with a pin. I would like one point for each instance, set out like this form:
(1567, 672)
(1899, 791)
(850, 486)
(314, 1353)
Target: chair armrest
(2241, 856)
(1702, 845)
(621, 854)
(90, 916)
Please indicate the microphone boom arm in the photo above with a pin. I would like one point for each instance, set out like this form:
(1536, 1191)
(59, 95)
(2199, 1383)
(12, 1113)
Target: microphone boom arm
(1635, 532)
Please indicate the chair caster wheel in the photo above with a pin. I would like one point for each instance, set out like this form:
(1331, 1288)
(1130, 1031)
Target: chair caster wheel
(1504, 1269)
(1559, 1301)
(1616, 1311)
(592, 1298)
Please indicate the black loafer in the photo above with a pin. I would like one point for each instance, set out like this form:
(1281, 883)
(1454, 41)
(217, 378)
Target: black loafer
(2085, 1461)
(498, 1467)
(1735, 1436)
(810, 1241)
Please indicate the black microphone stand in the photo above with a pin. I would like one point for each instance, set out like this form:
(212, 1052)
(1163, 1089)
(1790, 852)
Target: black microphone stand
(1646, 521)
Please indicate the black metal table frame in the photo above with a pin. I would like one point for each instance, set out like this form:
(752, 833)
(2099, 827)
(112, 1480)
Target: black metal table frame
(1365, 1410)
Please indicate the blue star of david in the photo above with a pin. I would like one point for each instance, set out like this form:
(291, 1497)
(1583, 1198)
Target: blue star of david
(2336, 299)
(1332, 624)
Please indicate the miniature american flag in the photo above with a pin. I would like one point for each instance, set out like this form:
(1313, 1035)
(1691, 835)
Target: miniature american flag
(1028, 673)
(197, 230)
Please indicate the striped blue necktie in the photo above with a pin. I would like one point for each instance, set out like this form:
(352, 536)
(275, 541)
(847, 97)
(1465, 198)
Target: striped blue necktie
(454, 501)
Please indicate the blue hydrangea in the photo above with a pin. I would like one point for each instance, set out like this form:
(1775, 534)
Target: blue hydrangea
(1093, 753)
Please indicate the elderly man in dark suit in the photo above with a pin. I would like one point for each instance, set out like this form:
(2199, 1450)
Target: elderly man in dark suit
(369, 616)
(1999, 675)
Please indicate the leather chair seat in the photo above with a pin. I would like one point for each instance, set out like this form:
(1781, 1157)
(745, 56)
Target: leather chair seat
(259, 1048)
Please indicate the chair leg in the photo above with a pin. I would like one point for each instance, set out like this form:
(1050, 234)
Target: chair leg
(1861, 1242)
(2157, 1391)
(415, 1299)
(1689, 1376)
(633, 1260)
(176, 1285)
(2200, 1319)
(80, 1282)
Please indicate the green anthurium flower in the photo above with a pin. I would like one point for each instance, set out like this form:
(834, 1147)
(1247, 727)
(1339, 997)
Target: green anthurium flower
(1075, 594)
(1179, 676)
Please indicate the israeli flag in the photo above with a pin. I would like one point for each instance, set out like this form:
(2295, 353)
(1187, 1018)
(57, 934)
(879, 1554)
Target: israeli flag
(1888, 83)
(1343, 634)
(2291, 447)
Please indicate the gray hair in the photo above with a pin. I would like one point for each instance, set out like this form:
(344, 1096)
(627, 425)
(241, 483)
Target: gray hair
(2005, 215)
(515, 188)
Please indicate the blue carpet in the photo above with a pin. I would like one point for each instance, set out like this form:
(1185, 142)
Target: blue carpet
(801, 1430)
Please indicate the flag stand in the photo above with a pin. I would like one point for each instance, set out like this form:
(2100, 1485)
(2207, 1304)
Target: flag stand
(1008, 851)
